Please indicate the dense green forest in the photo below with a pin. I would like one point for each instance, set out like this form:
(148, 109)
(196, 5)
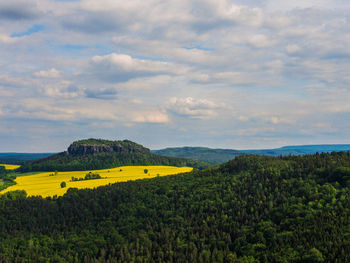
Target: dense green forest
(251, 209)
(94, 154)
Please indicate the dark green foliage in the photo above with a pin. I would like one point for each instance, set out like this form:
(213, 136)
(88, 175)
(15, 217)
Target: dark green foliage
(145, 171)
(91, 176)
(6, 178)
(96, 154)
(125, 143)
(3, 171)
(88, 176)
(63, 184)
(14, 195)
(251, 209)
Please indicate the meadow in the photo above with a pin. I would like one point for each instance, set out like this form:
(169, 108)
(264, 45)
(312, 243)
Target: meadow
(49, 183)
(10, 166)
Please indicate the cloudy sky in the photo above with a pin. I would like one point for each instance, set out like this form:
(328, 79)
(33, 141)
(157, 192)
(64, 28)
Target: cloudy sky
(219, 73)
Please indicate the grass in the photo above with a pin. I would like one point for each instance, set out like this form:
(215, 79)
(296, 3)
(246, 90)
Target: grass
(10, 166)
(46, 184)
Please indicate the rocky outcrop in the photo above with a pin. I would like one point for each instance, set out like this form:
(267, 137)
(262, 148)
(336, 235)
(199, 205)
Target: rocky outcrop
(89, 149)
(85, 149)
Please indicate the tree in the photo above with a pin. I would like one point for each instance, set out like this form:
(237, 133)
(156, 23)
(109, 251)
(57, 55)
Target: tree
(314, 255)
(146, 171)
(63, 184)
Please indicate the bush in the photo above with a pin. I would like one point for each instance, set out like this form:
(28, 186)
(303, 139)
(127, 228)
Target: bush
(63, 184)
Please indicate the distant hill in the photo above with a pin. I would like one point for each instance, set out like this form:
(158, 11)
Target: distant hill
(217, 156)
(94, 154)
(20, 158)
(214, 156)
(301, 149)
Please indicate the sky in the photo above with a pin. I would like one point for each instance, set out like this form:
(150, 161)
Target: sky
(243, 74)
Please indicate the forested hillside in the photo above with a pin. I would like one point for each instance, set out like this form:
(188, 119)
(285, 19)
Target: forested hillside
(251, 209)
(95, 154)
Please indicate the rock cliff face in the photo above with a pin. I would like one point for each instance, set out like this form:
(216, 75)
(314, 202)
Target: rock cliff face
(85, 149)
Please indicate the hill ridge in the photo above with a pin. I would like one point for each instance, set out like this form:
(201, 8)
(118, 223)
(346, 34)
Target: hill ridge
(93, 154)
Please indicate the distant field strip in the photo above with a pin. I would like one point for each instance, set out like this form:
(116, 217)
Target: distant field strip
(46, 184)
(10, 166)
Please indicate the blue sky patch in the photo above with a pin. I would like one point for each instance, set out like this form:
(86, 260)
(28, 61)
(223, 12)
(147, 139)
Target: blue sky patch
(34, 29)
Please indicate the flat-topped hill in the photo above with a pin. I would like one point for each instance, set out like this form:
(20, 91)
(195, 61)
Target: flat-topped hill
(96, 146)
(92, 154)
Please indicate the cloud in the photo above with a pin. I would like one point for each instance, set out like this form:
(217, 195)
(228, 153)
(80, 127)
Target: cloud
(291, 49)
(62, 89)
(51, 73)
(92, 23)
(35, 109)
(168, 50)
(190, 107)
(9, 81)
(18, 10)
(150, 117)
(5, 39)
(120, 67)
(101, 93)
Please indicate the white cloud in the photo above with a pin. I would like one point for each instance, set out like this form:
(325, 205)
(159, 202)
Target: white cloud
(260, 41)
(168, 50)
(51, 73)
(121, 67)
(195, 108)
(5, 39)
(277, 20)
(291, 49)
(150, 117)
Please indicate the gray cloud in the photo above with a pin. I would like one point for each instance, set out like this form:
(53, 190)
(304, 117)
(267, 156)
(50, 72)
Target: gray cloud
(93, 23)
(18, 10)
(104, 93)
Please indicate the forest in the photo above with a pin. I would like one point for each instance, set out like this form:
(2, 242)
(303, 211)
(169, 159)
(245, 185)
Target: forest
(250, 209)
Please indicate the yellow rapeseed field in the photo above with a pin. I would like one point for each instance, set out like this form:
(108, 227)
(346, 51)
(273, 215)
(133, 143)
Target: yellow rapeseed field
(10, 166)
(48, 184)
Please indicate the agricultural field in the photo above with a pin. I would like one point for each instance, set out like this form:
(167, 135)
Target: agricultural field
(10, 166)
(49, 183)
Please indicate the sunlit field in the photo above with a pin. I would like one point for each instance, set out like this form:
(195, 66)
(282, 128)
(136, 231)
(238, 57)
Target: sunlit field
(49, 183)
(10, 166)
